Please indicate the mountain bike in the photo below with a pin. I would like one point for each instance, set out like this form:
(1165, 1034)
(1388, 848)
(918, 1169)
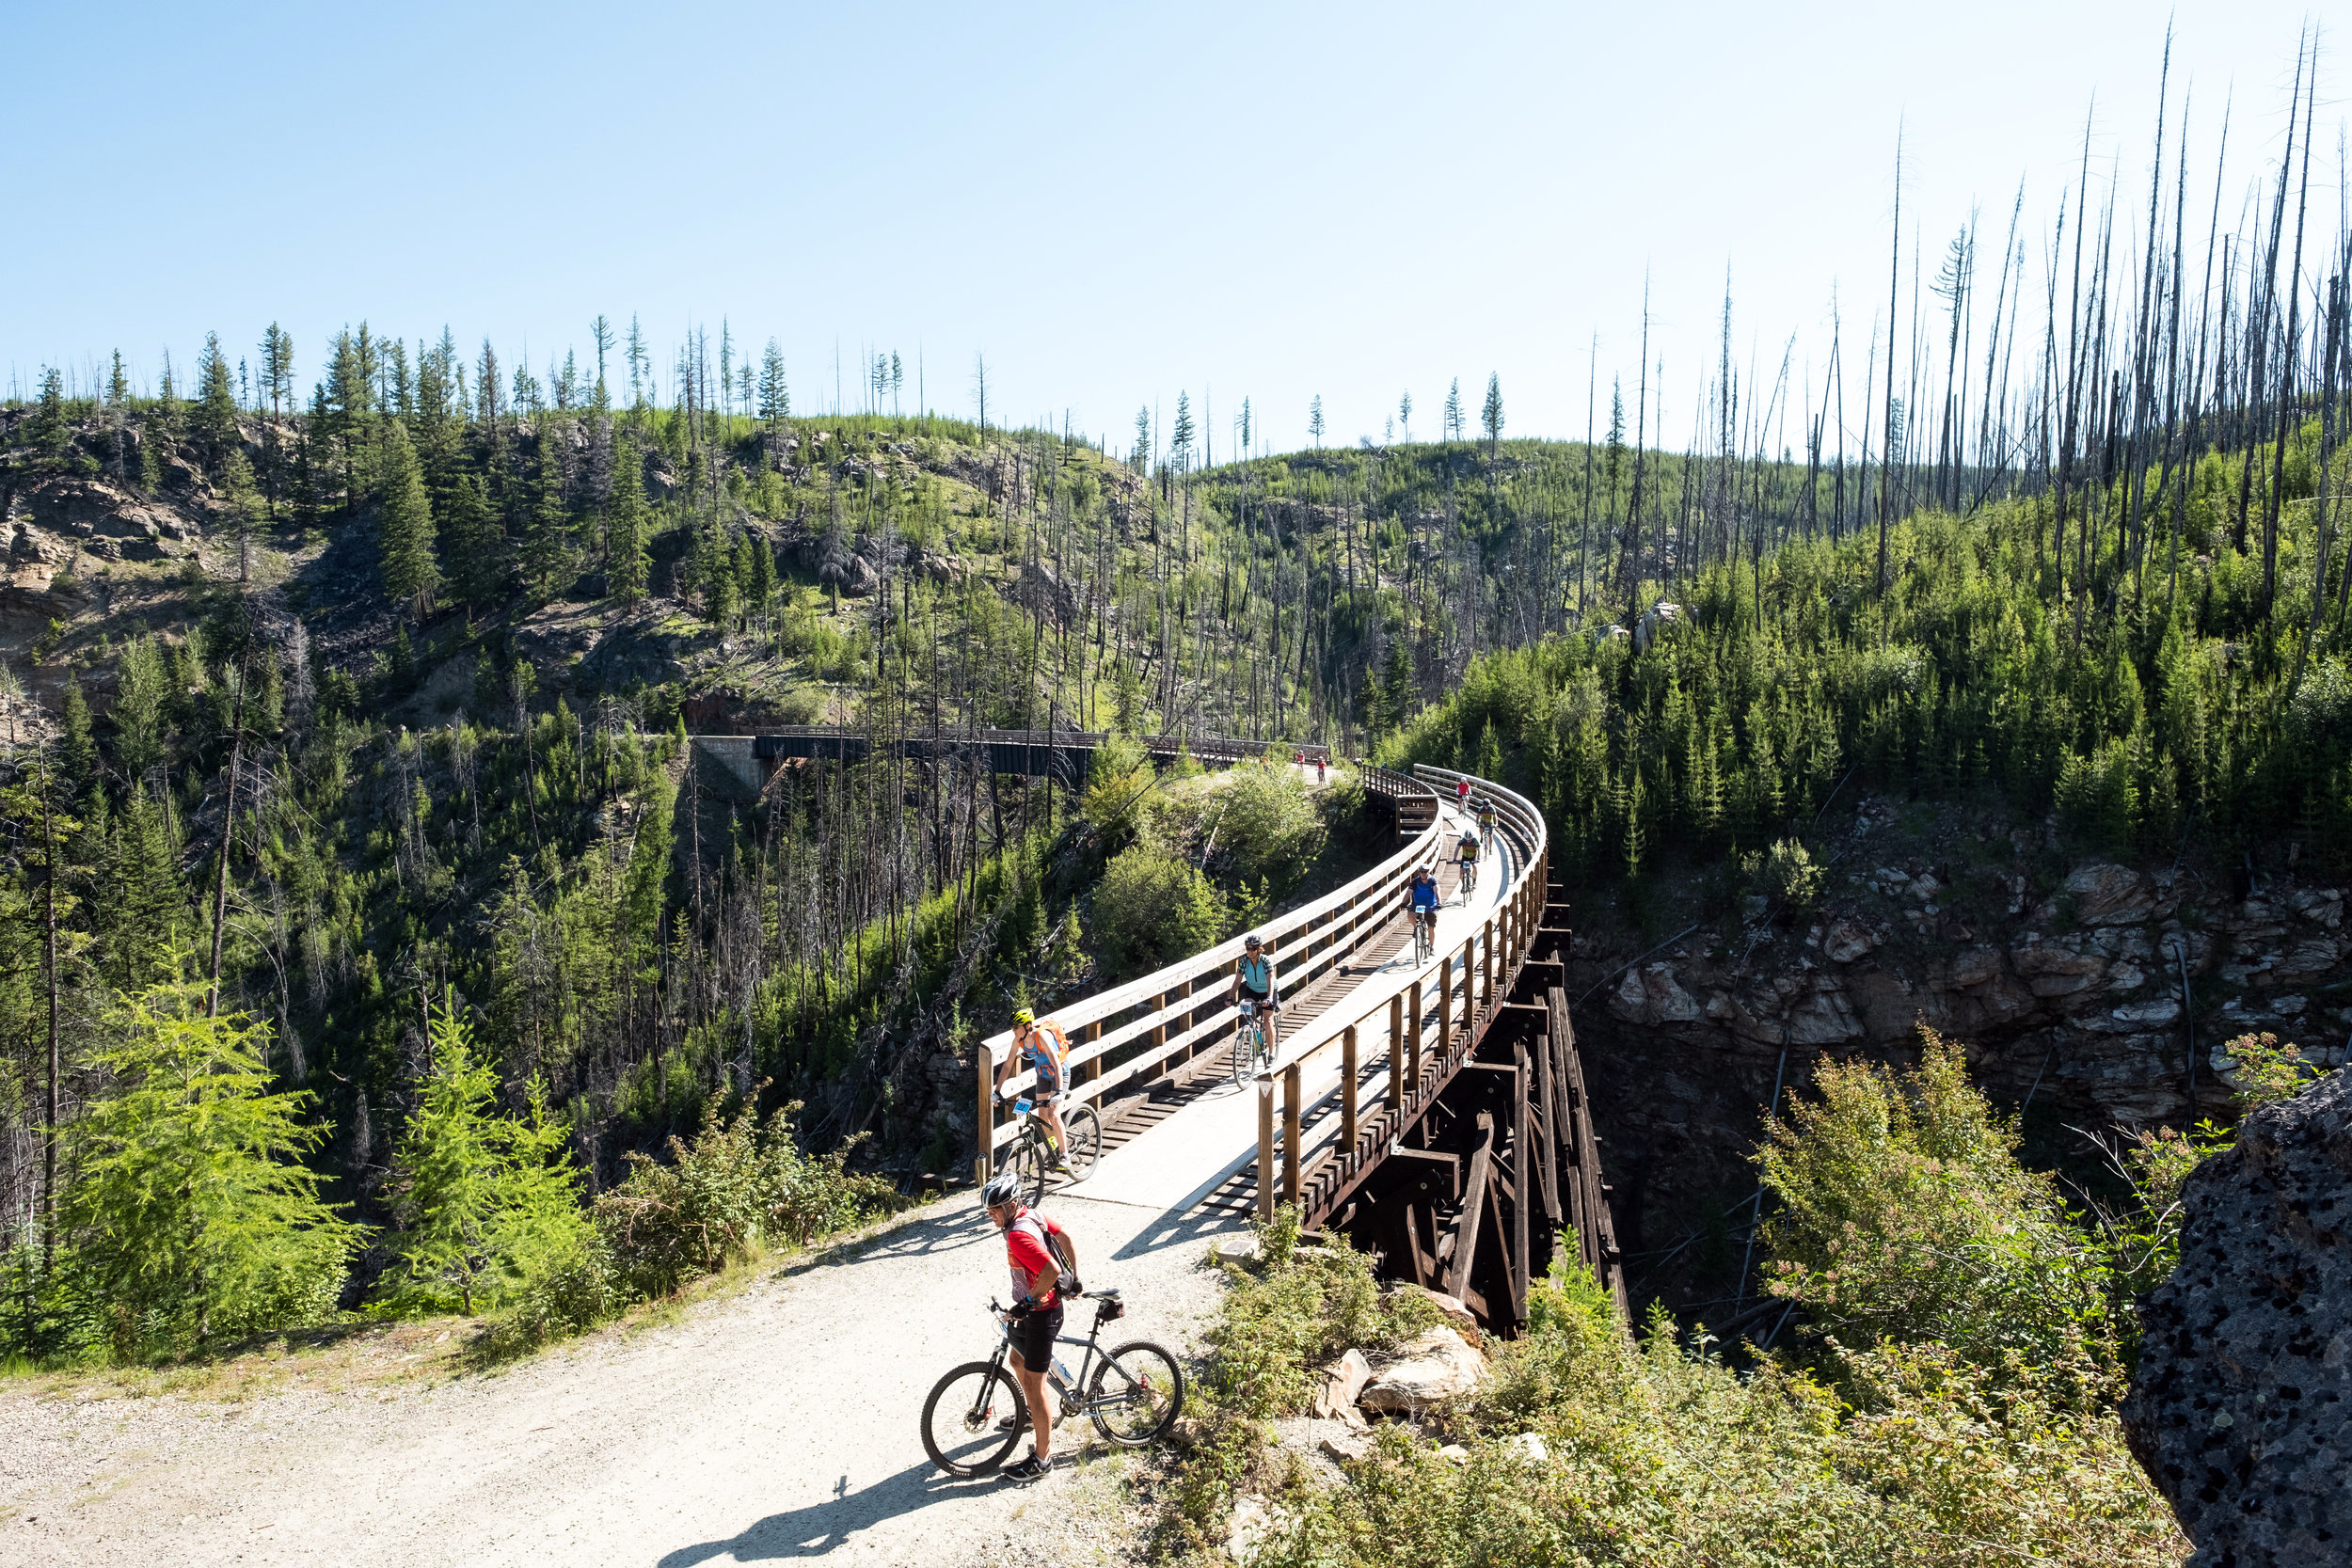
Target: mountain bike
(977, 1413)
(1470, 879)
(1253, 1050)
(1033, 1156)
(1425, 936)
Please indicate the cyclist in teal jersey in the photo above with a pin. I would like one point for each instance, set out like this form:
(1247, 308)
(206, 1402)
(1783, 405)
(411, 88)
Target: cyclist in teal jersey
(1253, 982)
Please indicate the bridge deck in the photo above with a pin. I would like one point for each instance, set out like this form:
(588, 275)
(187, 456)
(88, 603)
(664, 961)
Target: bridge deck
(1190, 1141)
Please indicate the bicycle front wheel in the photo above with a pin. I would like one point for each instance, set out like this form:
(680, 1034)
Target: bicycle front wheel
(1244, 1054)
(1137, 1394)
(1034, 1159)
(959, 1420)
(1081, 1140)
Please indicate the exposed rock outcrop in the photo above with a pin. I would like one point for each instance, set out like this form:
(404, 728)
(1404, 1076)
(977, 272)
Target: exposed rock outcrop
(2064, 982)
(2241, 1408)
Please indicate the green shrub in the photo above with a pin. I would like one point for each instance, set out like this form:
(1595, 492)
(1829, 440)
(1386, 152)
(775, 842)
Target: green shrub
(739, 1182)
(1265, 825)
(1904, 1214)
(1785, 874)
(1655, 1453)
(1298, 1309)
(1151, 909)
(2267, 1070)
(1120, 799)
(1660, 1457)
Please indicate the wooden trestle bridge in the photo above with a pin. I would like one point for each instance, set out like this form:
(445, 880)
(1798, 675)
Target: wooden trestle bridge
(1062, 755)
(1434, 1113)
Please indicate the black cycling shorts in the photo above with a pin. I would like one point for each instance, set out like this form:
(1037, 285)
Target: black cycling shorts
(1033, 1336)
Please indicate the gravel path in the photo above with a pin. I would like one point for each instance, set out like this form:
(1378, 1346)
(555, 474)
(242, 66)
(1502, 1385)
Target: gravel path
(778, 1423)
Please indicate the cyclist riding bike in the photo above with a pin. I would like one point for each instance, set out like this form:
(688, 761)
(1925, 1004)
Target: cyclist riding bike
(1044, 1266)
(1485, 817)
(1044, 1047)
(1467, 852)
(1253, 983)
(1421, 897)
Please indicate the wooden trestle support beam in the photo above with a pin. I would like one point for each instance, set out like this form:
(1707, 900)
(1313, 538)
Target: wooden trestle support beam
(1483, 1160)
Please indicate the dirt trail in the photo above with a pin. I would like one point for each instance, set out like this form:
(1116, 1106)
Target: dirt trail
(779, 1423)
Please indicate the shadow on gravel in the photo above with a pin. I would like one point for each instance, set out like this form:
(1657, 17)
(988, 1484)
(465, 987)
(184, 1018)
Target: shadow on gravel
(819, 1529)
(1177, 1226)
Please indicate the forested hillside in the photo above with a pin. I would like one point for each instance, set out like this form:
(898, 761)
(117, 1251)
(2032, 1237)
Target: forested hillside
(364, 713)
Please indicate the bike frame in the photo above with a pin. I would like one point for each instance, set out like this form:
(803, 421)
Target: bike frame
(1073, 1390)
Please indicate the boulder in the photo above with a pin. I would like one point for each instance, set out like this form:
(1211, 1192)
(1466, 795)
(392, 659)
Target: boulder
(1242, 1251)
(1431, 1367)
(2051, 970)
(1343, 1381)
(1531, 1447)
(1346, 1448)
(2110, 896)
(1452, 1310)
(1254, 1522)
(1652, 995)
(1845, 940)
(1825, 1018)
(2240, 1406)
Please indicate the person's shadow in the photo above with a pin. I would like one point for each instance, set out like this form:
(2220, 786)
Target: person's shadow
(814, 1531)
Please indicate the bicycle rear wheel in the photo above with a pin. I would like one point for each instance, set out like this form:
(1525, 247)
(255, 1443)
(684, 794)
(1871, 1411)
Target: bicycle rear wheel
(959, 1430)
(1137, 1394)
(1081, 1140)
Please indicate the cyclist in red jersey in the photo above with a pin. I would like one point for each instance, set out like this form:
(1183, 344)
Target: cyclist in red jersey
(1036, 1249)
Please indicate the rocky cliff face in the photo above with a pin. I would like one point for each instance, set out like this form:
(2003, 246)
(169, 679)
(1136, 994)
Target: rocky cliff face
(2104, 990)
(2241, 1408)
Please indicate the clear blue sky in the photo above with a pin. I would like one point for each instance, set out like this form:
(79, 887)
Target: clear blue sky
(1111, 202)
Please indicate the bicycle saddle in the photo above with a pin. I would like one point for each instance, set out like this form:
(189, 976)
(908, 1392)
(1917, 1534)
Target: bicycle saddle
(1104, 1295)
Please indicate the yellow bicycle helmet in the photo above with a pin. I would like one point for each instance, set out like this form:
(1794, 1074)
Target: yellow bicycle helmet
(1024, 1015)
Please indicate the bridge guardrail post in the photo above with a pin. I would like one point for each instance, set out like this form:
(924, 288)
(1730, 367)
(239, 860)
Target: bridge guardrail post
(1396, 1053)
(1487, 965)
(984, 1159)
(1347, 1092)
(1265, 1148)
(1470, 991)
(1412, 1039)
(1289, 1135)
(1445, 1008)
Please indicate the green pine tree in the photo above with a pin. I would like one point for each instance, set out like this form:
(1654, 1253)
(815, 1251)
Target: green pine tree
(716, 568)
(485, 1199)
(626, 565)
(405, 529)
(546, 551)
(77, 752)
(243, 507)
(214, 421)
(191, 1213)
(473, 553)
(145, 904)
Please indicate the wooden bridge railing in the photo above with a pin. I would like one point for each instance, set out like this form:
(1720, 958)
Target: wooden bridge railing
(1131, 1033)
(1454, 992)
